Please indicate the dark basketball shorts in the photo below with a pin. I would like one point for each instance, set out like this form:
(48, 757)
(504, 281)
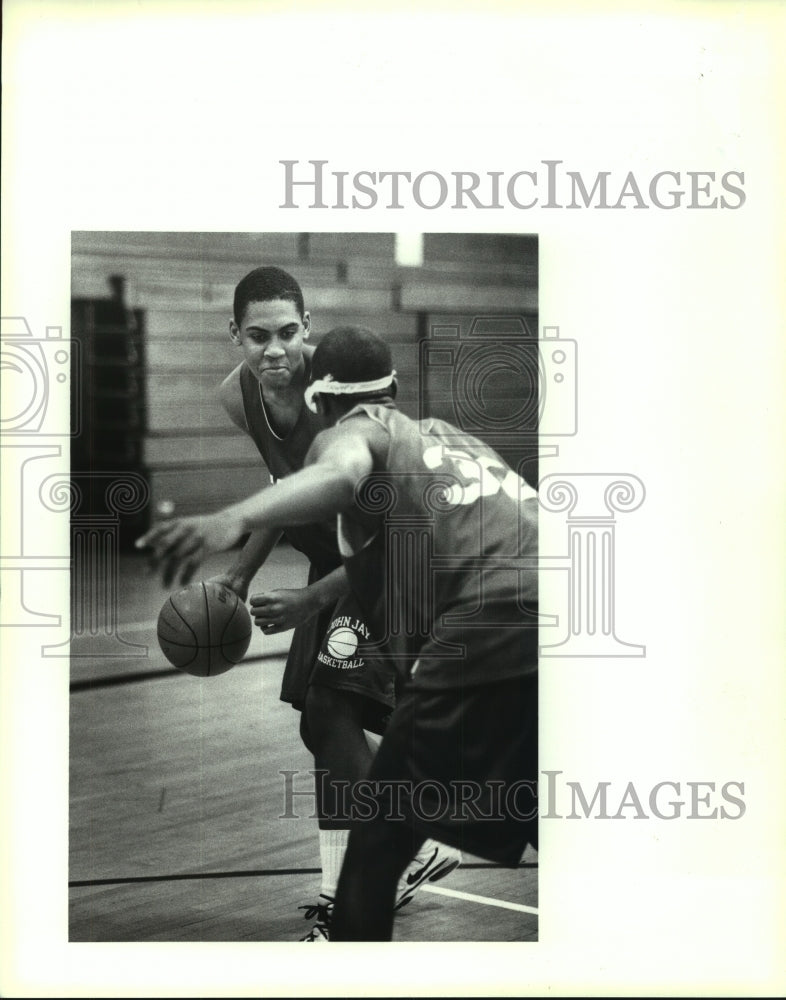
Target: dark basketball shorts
(328, 650)
(461, 766)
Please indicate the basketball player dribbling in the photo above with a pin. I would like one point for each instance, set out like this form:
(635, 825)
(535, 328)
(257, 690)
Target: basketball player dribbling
(461, 743)
(338, 696)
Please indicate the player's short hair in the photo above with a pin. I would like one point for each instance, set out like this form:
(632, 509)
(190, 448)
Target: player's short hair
(352, 354)
(264, 284)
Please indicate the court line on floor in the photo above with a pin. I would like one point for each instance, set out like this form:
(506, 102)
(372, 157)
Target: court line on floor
(473, 898)
(186, 876)
(257, 873)
(147, 675)
(137, 626)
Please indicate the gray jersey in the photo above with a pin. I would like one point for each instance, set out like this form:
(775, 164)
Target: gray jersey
(449, 574)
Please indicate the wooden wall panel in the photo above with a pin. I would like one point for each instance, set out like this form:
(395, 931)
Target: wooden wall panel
(168, 451)
(168, 294)
(419, 296)
(214, 322)
(200, 490)
(486, 247)
(185, 283)
(281, 247)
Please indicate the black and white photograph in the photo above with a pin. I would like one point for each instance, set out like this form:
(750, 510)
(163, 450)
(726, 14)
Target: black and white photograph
(202, 807)
(391, 438)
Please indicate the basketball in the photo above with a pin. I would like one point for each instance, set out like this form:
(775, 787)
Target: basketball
(204, 629)
(342, 643)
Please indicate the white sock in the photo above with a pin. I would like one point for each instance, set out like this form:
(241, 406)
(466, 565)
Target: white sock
(332, 848)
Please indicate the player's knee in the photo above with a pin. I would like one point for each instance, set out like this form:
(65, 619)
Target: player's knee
(326, 709)
(305, 731)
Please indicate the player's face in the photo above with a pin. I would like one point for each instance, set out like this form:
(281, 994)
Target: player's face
(271, 336)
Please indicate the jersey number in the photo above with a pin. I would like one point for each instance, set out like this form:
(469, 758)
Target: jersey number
(479, 475)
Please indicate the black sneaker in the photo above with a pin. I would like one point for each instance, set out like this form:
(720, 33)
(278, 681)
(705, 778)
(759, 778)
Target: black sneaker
(323, 911)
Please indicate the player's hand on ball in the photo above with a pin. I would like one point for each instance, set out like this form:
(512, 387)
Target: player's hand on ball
(180, 545)
(233, 583)
(281, 610)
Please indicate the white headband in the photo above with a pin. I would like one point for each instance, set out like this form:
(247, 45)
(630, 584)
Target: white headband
(328, 384)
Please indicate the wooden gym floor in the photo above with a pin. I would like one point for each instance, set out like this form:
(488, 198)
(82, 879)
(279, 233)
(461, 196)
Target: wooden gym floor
(176, 799)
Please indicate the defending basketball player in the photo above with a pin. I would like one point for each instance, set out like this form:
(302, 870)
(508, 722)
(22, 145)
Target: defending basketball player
(461, 628)
(338, 698)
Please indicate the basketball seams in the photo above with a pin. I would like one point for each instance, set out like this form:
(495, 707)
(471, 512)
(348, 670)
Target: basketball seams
(170, 646)
(171, 604)
(192, 617)
(188, 645)
(207, 620)
(210, 623)
(237, 612)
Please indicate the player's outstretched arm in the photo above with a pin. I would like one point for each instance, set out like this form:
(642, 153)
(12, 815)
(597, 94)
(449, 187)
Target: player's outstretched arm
(317, 493)
(254, 553)
(179, 546)
(337, 461)
(261, 542)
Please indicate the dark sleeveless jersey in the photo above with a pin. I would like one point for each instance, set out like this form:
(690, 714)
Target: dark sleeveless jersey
(286, 455)
(450, 576)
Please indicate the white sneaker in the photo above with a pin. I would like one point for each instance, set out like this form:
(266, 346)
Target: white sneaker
(433, 862)
(323, 911)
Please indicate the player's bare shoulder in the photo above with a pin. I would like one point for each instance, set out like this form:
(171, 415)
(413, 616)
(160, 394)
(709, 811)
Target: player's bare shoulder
(356, 433)
(230, 395)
